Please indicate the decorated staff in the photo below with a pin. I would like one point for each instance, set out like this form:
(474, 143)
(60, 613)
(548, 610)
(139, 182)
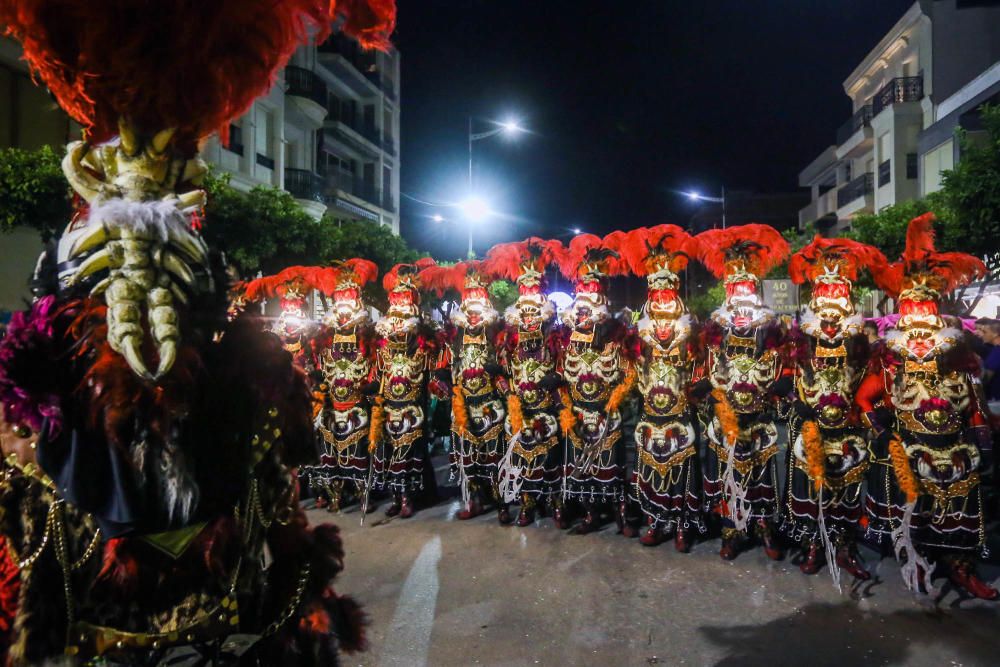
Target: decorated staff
(829, 454)
(598, 366)
(148, 462)
(667, 473)
(743, 343)
(920, 402)
(478, 410)
(528, 352)
(346, 360)
(408, 351)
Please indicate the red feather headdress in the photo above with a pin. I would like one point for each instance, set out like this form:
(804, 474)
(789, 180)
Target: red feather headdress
(589, 257)
(513, 260)
(845, 257)
(754, 248)
(189, 65)
(651, 249)
(921, 265)
(292, 284)
(406, 277)
(355, 272)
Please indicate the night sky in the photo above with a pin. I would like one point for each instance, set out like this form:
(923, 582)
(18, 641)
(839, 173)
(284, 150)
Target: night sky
(627, 103)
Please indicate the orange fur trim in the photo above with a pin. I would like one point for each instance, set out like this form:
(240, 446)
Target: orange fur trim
(908, 482)
(459, 415)
(567, 418)
(727, 417)
(376, 424)
(812, 441)
(516, 414)
(622, 390)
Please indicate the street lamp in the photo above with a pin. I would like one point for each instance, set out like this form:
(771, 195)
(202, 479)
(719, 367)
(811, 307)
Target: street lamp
(476, 210)
(577, 230)
(509, 127)
(437, 217)
(695, 196)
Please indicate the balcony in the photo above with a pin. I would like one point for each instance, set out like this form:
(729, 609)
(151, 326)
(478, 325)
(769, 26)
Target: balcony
(861, 118)
(360, 137)
(861, 188)
(885, 173)
(900, 89)
(303, 184)
(355, 66)
(305, 97)
(389, 145)
(387, 203)
(818, 209)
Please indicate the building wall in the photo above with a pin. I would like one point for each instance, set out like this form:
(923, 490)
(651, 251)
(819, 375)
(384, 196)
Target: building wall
(966, 41)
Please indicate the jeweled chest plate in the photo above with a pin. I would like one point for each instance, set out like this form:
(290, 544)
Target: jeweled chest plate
(928, 401)
(344, 372)
(592, 373)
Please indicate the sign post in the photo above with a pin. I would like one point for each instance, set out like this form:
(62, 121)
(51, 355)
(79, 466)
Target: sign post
(782, 296)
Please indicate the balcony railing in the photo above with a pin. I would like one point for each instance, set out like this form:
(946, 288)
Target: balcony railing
(861, 118)
(265, 161)
(885, 173)
(859, 187)
(303, 184)
(340, 44)
(900, 89)
(387, 203)
(389, 145)
(304, 83)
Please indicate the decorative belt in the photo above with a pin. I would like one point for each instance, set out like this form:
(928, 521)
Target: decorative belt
(744, 466)
(663, 467)
(541, 449)
(852, 476)
(959, 489)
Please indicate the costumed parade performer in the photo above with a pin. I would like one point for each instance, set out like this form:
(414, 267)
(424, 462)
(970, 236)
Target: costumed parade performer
(667, 472)
(478, 386)
(828, 457)
(744, 366)
(409, 351)
(528, 350)
(920, 401)
(346, 361)
(598, 365)
(149, 444)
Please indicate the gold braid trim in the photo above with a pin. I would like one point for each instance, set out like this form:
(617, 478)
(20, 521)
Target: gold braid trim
(515, 413)
(907, 481)
(459, 415)
(622, 390)
(812, 441)
(727, 417)
(377, 422)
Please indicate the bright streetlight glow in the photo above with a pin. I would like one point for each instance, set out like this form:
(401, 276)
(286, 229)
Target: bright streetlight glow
(577, 230)
(475, 209)
(511, 127)
(693, 196)
(437, 217)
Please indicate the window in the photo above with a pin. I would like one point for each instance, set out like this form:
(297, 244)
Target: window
(911, 165)
(884, 147)
(937, 160)
(235, 139)
(264, 134)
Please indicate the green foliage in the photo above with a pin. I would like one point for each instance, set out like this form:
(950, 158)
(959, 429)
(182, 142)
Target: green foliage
(503, 293)
(703, 303)
(797, 241)
(33, 191)
(886, 230)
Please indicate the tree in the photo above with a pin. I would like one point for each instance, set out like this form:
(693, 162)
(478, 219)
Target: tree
(704, 302)
(33, 191)
(886, 230)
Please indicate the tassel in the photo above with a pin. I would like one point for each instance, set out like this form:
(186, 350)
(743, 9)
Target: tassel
(567, 418)
(622, 390)
(515, 413)
(377, 422)
(902, 544)
(907, 481)
(459, 415)
(727, 417)
(509, 479)
(736, 502)
(812, 442)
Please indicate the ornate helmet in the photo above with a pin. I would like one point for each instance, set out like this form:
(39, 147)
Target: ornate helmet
(525, 263)
(471, 281)
(347, 309)
(831, 266)
(922, 276)
(589, 261)
(660, 253)
(741, 256)
(292, 287)
(402, 284)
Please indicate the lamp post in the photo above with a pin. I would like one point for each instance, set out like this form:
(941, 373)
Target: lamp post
(475, 208)
(509, 127)
(694, 196)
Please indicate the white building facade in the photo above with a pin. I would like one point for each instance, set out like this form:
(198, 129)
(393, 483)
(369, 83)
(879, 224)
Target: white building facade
(894, 146)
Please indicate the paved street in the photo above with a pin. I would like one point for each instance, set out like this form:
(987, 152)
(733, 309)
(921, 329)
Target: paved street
(444, 592)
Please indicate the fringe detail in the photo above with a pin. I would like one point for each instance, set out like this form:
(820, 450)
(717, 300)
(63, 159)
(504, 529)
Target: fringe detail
(377, 422)
(902, 544)
(738, 507)
(509, 480)
(567, 418)
(812, 441)
(907, 481)
(831, 553)
(622, 390)
(727, 417)
(459, 415)
(516, 413)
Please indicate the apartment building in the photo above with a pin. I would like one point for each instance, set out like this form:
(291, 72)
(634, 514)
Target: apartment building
(925, 77)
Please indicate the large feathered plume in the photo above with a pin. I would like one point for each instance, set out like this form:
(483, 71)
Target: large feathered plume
(590, 254)
(941, 271)
(509, 260)
(300, 279)
(185, 64)
(406, 273)
(360, 271)
(846, 256)
(650, 249)
(757, 248)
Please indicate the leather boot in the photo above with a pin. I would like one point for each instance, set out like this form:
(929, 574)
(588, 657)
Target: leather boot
(813, 559)
(394, 507)
(503, 514)
(962, 574)
(527, 514)
(336, 495)
(731, 539)
(769, 540)
(652, 537)
(621, 518)
(682, 543)
(590, 520)
(560, 518)
(474, 509)
(847, 559)
(406, 507)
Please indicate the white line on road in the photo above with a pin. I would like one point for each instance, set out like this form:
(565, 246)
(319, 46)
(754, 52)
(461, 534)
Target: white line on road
(408, 640)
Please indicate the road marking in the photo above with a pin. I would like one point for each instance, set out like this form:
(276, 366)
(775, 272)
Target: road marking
(408, 639)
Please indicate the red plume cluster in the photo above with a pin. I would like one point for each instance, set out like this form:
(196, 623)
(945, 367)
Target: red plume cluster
(588, 249)
(507, 259)
(849, 255)
(647, 249)
(758, 247)
(364, 271)
(391, 279)
(302, 278)
(440, 279)
(185, 64)
(943, 271)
